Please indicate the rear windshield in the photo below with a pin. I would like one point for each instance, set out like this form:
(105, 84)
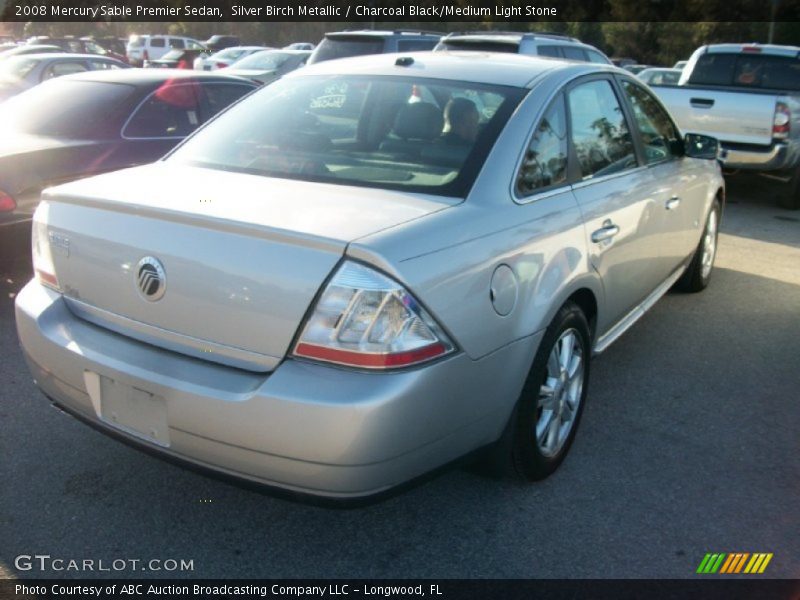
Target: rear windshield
(404, 133)
(332, 48)
(747, 70)
(263, 60)
(62, 108)
(17, 67)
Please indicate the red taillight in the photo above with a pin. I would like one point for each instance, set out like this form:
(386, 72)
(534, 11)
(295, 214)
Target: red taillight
(781, 123)
(221, 65)
(753, 49)
(370, 361)
(146, 55)
(7, 203)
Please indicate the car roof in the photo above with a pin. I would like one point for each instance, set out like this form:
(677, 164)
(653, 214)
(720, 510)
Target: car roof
(382, 33)
(70, 56)
(768, 49)
(145, 77)
(494, 68)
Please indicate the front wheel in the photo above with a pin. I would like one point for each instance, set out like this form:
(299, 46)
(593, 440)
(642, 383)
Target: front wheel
(552, 399)
(698, 273)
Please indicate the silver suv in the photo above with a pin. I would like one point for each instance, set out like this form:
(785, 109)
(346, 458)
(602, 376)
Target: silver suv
(344, 44)
(534, 44)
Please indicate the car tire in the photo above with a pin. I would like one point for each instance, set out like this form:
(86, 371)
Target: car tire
(698, 273)
(551, 403)
(791, 199)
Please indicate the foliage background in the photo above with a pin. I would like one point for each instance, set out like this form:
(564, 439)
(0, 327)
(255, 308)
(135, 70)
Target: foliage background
(650, 31)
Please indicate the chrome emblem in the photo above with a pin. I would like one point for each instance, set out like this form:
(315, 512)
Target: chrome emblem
(151, 279)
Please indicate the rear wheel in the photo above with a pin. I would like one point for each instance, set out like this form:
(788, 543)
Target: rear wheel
(698, 274)
(551, 403)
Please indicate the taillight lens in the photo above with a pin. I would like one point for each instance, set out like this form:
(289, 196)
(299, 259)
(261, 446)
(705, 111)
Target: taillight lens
(221, 65)
(365, 319)
(43, 266)
(782, 121)
(7, 203)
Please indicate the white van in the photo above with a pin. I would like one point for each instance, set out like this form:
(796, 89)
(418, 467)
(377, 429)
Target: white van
(142, 48)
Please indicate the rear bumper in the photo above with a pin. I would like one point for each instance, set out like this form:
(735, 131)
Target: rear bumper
(304, 428)
(777, 157)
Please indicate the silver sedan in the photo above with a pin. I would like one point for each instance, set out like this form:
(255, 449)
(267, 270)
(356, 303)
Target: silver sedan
(371, 268)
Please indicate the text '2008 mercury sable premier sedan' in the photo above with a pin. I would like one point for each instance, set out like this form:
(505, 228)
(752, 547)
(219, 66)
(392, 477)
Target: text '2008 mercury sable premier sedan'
(371, 268)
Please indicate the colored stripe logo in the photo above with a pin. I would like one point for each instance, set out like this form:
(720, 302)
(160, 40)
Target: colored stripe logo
(734, 563)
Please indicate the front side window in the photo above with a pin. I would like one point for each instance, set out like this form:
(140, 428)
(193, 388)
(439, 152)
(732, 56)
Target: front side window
(388, 132)
(600, 133)
(596, 57)
(157, 43)
(657, 131)
(545, 162)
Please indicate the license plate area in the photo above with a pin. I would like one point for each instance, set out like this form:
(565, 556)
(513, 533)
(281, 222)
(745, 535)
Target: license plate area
(134, 411)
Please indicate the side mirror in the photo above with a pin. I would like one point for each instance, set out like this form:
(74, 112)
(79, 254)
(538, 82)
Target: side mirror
(700, 146)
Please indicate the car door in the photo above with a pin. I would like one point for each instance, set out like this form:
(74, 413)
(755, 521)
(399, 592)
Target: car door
(613, 190)
(678, 188)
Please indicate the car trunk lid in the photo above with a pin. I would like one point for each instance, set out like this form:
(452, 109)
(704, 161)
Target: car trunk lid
(241, 257)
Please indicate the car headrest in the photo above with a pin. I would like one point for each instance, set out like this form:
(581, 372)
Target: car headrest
(419, 121)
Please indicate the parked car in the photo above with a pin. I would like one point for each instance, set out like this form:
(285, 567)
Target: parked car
(655, 76)
(20, 73)
(636, 69)
(344, 44)
(99, 121)
(143, 48)
(176, 59)
(32, 49)
(680, 64)
(534, 44)
(300, 46)
(748, 96)
(85, 45)
(225, 58)
(622, 62)
(219, 42)
(116, 47)
(334, 297)
(268, 65)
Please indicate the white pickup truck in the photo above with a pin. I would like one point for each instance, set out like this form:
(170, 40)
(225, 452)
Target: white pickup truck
(748, 97)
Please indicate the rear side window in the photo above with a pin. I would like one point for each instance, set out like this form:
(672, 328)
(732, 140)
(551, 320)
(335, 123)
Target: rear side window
(176, 43)
(333, 48)
(549, 51)
(415, 45)
(102, 65)
(573, 53)
(600, 133)
(157, 43)
(64, 68)
(169, 112)
(545, 162)
(596, 57)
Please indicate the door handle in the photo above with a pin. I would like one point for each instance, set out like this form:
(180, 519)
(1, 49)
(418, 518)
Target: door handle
(701, 102)
(673, 203)
(608, 231)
